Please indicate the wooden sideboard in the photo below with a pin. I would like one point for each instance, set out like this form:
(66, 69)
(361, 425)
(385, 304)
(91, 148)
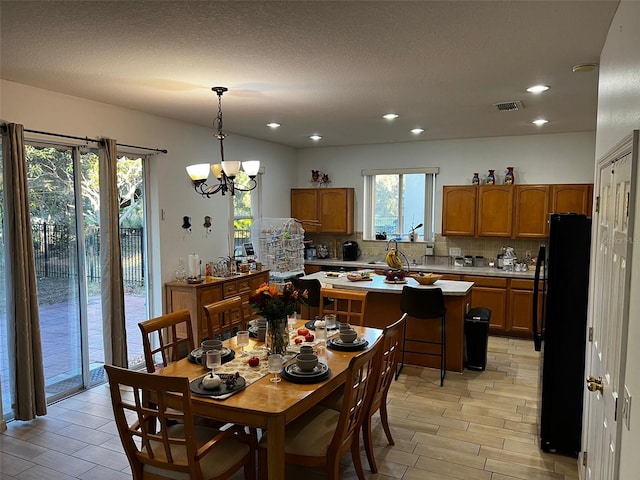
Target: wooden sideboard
(193, 297)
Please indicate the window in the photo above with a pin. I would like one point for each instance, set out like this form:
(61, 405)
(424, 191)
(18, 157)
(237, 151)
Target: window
(396, 201)
(245, 209)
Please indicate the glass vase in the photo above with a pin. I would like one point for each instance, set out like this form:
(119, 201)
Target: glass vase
(277, 336)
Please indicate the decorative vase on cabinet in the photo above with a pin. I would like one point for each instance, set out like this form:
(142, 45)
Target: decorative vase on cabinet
(476, 179)
(509, 177)
(491, 178)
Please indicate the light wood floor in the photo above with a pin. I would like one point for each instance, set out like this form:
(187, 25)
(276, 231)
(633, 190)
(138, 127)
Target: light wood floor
(480, 425)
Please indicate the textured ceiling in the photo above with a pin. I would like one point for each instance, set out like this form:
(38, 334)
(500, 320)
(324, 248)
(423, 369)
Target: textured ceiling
(331, 68)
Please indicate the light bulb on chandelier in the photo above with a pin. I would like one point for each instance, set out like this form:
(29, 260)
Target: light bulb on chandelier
(225, 171)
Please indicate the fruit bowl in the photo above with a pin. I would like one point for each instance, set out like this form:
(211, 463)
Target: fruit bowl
(426, 278)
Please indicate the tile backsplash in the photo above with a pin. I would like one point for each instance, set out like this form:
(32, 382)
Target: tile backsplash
(486, 247)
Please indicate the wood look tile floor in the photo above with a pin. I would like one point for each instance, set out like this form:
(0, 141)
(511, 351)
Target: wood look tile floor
(480, 425)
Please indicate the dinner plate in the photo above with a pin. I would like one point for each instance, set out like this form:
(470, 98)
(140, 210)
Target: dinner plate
(305, 378)
(311, 325)
(319, 370)
(337, 344)
(196, 355)
(222, 389)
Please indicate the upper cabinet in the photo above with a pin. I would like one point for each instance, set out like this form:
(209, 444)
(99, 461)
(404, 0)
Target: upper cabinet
(324, 210)
(459, 210)
(574, 198)
(531, 212)
(495, 210)
(513, 211)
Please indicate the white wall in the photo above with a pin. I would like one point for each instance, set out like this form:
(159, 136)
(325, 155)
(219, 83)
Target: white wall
(618, 115)
(558, 158)
(170, 188)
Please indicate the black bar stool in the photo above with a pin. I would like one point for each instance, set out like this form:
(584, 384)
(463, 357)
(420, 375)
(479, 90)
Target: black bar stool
(425, 304)
(312, 286)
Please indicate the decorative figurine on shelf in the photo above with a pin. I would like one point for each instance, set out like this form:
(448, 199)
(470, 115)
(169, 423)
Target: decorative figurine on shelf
(319, 179)
(509, 177)
(491, 178)
(325, 179)
(315, 176)
(476, 179)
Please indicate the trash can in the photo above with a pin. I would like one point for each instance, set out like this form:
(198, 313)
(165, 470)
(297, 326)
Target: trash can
(476, 337)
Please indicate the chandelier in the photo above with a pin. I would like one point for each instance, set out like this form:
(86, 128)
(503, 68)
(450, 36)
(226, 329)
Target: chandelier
(225, 171)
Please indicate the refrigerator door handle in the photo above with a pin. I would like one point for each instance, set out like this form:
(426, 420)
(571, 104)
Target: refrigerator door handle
(537, 329)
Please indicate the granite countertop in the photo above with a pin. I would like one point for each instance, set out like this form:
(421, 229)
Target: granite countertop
(365, 263)
(378, 284)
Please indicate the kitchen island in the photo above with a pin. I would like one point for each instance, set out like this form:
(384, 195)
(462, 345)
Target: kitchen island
(383, 308)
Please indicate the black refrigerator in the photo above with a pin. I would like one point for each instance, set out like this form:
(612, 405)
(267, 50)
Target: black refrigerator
(562, 270)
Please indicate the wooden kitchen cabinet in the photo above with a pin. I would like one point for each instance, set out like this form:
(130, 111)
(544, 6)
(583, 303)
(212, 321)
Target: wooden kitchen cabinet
(495, 210)
(491, 292)
(332, 209)
(531, 211)
(304, 207)
(193, 297)
(573, 198)
(520, 322)
(459, 210)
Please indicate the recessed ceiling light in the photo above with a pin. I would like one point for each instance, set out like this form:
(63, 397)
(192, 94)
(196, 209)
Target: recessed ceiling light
(273, 125)
(538, 89)
(417, 131)
(390, 116)
(540, 121)
(584, 67)
(315, 137)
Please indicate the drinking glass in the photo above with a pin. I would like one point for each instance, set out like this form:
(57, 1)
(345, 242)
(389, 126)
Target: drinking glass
(330, 320)
(214, 359)
(242, 339)
(275, 366)
(291, 321)
(321, 336)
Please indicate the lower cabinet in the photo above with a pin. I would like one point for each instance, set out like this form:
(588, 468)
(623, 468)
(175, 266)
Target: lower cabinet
(510, 301)
(180, 295)
(490, 292)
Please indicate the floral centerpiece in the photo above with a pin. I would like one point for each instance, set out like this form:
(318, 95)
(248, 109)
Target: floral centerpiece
(275, 304)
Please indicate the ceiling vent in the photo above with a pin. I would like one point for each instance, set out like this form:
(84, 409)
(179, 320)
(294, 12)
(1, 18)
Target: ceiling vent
(509, 106)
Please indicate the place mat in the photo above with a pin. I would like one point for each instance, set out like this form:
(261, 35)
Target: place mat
(319, 370)
(196, 355)
(222, 391)
(337, 344)
(305, 378)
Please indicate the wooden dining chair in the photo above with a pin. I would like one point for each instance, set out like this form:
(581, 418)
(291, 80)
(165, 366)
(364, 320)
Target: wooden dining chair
(179, 449)
(323, 435)
(348, 305)
(225, 318)
(169, 335)
(390, 354)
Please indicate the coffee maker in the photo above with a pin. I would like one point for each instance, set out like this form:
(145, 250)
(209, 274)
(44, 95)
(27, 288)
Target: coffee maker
(350, 250)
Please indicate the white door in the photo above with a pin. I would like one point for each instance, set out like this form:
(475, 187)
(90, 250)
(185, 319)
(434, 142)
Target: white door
(608, 313)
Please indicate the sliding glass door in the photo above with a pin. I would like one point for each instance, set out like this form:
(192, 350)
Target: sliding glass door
(64, 200)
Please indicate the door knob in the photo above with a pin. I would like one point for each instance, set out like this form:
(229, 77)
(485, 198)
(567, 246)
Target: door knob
(595, 384)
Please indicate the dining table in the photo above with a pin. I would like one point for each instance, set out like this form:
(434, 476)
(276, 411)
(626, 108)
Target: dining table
(269, 405)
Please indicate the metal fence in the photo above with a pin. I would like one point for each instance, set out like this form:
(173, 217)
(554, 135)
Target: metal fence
(54, 248)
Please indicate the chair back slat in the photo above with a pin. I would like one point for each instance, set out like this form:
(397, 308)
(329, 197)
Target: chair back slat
(391, 350)
(169, 336)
